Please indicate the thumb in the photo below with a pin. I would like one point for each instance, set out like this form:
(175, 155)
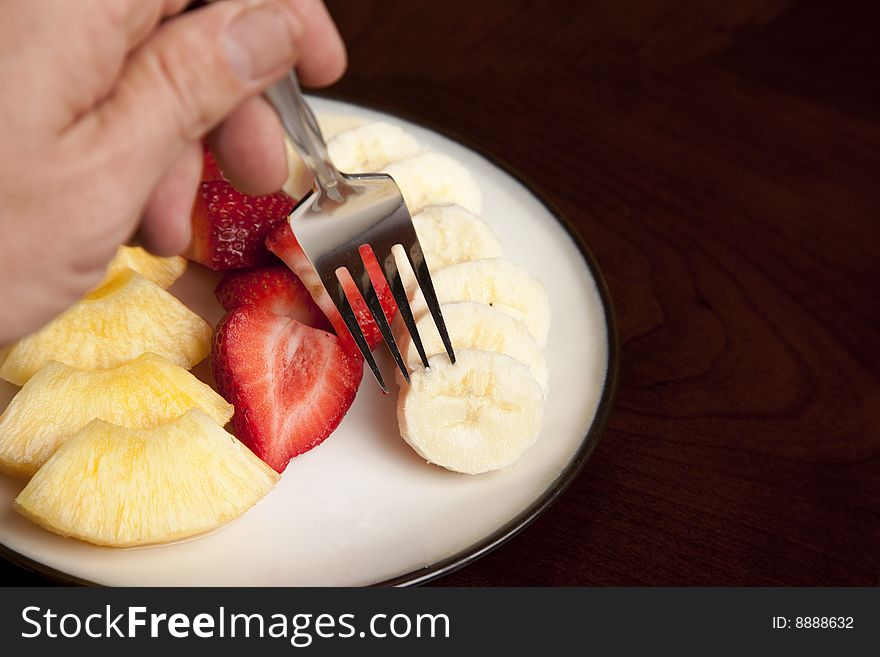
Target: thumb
(191, 73)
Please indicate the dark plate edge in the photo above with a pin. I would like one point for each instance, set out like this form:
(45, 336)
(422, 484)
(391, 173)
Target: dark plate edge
(565, 478)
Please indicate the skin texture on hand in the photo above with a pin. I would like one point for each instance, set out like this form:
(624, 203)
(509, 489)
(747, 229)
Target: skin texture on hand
(103, 109)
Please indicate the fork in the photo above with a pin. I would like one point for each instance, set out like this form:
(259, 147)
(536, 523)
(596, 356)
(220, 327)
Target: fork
(346, 217)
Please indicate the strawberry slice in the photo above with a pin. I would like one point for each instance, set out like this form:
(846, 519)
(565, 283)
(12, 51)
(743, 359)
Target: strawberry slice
(274, 288)
(230, 228)
(282, 243)
(291, 384)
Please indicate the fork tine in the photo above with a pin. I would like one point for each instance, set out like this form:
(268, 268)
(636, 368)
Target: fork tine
(392, 275)
(420, 267)
(345, 310)
(354, 328)
(368, 292)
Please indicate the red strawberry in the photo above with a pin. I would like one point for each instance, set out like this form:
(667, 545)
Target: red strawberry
(230, 228)
(274, 288)
(290, 384)
(282, 243)
(210, 168)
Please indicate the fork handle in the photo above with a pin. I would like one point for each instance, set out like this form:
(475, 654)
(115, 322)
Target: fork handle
(302, 127)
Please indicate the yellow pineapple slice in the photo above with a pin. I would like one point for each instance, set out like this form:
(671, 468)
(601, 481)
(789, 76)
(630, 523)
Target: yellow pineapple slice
(162, 271)
(59, 400)
(120, 487)
(124, 319)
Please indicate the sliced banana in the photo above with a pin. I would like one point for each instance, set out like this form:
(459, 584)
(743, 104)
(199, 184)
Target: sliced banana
(478, 415)
(476, 326)
(332, 124)
(299, 178)
(433, 178)
(450, 234)
(496, 282)
(371, 147)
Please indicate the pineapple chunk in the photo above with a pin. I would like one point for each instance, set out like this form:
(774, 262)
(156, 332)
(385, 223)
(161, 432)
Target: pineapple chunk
(60, 400)
(120, 487)
(162, 271)
(124, 319)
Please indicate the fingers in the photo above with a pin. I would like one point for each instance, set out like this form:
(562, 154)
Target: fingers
(250, 149)
(323, 58)
(138, 18)
(77, 48)
(248, 143)
(131, 19)
(166, 228)
(190, 74)
(180, 84)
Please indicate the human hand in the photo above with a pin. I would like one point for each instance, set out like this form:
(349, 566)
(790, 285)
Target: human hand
(103, 109)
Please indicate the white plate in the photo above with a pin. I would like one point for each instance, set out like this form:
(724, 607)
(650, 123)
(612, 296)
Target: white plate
(363, 508)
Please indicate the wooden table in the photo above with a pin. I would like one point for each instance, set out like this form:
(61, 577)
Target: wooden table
(722, 161)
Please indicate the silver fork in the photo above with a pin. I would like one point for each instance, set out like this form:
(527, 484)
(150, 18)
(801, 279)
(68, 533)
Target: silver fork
(345, 212)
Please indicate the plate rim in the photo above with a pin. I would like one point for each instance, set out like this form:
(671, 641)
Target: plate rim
(573, 468)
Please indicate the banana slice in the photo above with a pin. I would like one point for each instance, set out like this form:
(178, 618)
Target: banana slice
(496, 282)
(332, 124)
(476, 326)
(299, 178)
(450, 234)
(478, 415)
(431, 179)
(369, 148)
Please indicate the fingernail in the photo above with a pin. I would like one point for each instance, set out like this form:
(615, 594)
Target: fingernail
(260, 39)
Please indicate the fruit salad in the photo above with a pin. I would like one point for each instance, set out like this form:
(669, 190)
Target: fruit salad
(123, 446)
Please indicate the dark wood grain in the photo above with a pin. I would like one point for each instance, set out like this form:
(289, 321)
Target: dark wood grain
(722, 161)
